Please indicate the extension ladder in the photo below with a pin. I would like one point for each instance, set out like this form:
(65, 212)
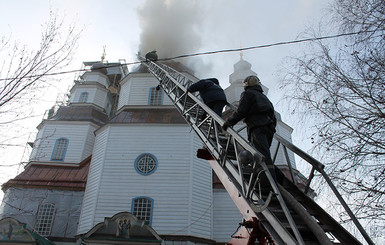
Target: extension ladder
(281, 212)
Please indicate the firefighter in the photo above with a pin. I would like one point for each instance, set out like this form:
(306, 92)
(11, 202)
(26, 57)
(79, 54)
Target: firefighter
(211, 93)
(258, 114)
(152, 56)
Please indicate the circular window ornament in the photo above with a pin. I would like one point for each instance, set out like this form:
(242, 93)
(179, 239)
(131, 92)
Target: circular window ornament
(146, 164)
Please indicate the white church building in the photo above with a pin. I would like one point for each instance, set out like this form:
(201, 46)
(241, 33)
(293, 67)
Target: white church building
(117, 165)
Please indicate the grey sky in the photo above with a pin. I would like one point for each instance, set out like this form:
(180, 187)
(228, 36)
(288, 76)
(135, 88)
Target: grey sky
(189, 26)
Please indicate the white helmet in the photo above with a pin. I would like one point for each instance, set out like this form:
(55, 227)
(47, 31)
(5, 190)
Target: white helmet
(251, 81)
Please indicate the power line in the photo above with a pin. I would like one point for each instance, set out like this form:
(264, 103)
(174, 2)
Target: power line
(269, 45)
(211, 52)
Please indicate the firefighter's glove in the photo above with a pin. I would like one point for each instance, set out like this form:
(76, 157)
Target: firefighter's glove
(226, 125)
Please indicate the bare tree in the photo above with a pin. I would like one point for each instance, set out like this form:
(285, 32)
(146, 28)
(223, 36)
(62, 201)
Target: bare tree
(339, 85)
(25, 75)
(24, 71)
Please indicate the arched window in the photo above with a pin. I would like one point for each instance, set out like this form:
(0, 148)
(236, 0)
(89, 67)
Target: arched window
(59, 151)
(146, 164)
(44, 219)
(155, 97)
(142, 207)
(83, 97)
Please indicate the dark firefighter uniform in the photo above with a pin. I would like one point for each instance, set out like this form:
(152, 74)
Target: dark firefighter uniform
(258, 114)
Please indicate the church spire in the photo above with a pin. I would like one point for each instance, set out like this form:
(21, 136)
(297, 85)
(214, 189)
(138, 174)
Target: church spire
(242, 69)
(104, 54)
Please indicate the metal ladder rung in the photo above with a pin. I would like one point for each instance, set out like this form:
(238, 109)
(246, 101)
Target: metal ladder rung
(224, 151)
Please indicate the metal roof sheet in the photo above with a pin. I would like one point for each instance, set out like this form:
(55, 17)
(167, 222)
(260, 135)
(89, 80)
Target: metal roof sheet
(80, 113)
(53, 177)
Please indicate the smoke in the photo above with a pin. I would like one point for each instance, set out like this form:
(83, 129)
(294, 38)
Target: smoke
(171, 27)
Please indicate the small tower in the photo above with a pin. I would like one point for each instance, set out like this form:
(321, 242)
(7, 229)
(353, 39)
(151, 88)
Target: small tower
(49, 192)
(66, 137)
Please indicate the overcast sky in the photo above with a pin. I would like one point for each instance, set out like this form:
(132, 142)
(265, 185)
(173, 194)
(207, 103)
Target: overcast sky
(189, 26)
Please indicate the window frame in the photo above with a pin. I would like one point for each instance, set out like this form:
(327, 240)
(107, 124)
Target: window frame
(151, 208)
(55, 149)
(139, 157)
(81, 98)
(150, 97)
(41, 219)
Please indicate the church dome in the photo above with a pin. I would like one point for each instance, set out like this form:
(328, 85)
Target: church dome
(242, 69)
(242, 65)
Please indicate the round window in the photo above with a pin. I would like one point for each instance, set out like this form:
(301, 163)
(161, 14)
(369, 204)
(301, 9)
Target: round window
(145, 163)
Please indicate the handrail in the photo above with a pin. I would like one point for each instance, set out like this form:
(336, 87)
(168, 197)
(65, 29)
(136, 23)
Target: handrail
(318, 166)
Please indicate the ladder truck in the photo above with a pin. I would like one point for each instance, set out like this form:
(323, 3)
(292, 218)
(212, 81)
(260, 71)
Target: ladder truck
(274, 214)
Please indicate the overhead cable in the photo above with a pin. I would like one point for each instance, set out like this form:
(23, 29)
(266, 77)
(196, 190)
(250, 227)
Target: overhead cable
(210, 52)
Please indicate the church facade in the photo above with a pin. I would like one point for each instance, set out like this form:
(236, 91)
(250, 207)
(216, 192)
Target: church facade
(118, 164)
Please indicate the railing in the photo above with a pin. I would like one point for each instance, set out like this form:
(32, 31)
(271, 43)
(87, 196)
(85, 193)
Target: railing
(316, 166)
(319, 167)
